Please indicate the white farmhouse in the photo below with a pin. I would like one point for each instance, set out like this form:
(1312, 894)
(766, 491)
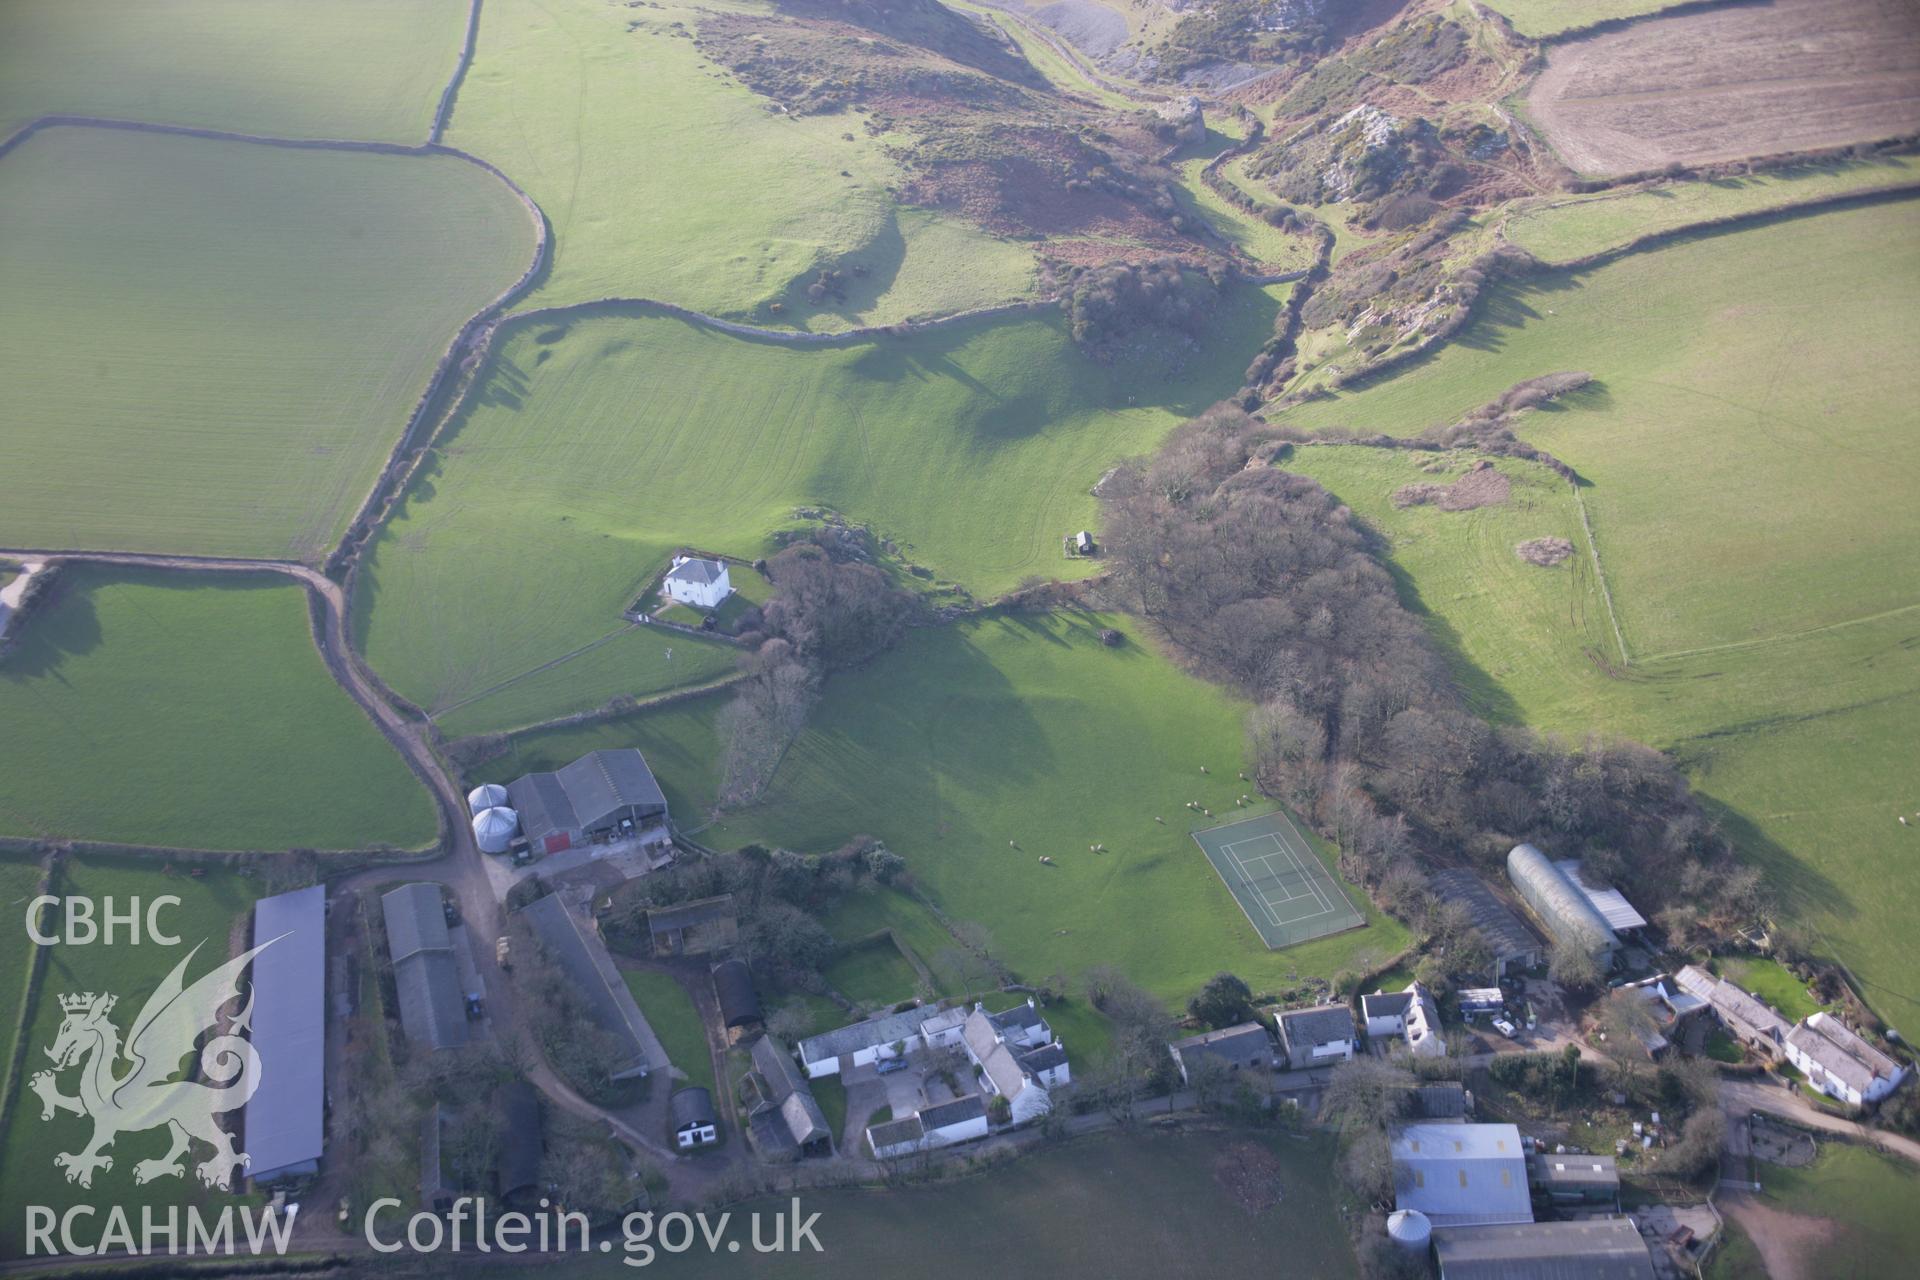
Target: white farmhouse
(962, 1120)
(1839, 1063)
(1018, 1058)
(1407, 1014)
(698, 582)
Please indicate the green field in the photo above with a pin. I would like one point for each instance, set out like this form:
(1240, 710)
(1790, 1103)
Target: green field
(1133, 1205)
(1771, 981)
(358, 69)
(1274, 249)
(1869, 1195)
(1575, 227)
(1022, 729)
(211, 347)
(1539, 18)
(191, 710)
(210, 905)
(1745, 451)
(673, 1017)
(19, 878)
(873, 974)
(724, 210)
(597, 447)
(632, 664)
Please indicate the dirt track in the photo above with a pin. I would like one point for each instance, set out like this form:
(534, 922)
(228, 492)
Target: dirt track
(1727, 84)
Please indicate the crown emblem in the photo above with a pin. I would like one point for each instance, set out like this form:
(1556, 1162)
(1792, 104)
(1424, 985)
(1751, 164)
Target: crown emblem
(82, 1002)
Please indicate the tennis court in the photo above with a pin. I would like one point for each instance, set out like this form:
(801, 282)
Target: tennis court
(1272, 872)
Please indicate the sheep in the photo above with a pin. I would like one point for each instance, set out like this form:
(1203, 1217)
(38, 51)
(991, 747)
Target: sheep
(1203, 768)
(1161, 821)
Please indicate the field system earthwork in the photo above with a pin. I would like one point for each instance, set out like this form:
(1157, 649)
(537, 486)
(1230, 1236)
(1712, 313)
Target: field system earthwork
(367, 362)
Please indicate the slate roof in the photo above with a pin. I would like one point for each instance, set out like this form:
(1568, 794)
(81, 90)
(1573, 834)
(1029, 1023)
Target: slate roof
(1732, 1002)
(959, 1111)
(1446, 1100)
(791, 1097)
(583, 957)
(895, 1132)
(1841, 1053)
(285, 1118)
(884, 1029)
(696, 570)
(1022, 1017)
(1386, 1004)
(1323, 1024)
(416, 921)
(1242, 1044)
(1590, 1249)
(1045, 1058)
(432, 1012)
(586, 794)
(994, 1057)
(1505, 933)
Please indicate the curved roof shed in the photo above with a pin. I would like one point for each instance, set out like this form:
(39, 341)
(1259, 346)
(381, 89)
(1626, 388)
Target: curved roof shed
(1563, 907)
(733, 984)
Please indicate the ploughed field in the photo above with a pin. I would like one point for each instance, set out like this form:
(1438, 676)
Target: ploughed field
(1746, 476)
(212, 347)
(1732, 82)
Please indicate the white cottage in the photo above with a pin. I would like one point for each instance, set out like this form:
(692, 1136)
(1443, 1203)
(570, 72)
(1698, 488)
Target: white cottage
(1017, 1058)
(1839, 1063)
(698, 582)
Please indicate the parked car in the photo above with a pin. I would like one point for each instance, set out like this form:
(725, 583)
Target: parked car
(475, 1009)
(887, 1066)
(1506, 1028)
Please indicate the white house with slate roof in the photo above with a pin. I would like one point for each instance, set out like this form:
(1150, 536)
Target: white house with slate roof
(942, 1125)
(1017, 1058)
(697, 581)
(1839, 1063)
(1408, 1014)
(1320, 1036)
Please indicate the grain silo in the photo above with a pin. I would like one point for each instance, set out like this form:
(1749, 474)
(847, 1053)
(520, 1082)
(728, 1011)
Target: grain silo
(488, 795)
(494, 828)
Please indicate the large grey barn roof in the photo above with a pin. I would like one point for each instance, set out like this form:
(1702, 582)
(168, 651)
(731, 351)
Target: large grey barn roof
(733, 985)
(424, 977)
(1505, 933)
(586, 793)
(591, 971)
(416, 920)
(1593, 1249)
(285, 1118)
(1561, 905)
(520, 1144)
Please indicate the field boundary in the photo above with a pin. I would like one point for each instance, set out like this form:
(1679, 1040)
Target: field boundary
(444, 111)
(36, 970)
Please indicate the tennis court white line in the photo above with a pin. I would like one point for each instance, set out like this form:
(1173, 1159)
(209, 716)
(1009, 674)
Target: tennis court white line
(1267, 903)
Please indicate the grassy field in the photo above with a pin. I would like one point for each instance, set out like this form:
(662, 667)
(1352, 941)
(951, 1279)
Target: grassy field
(1744, 450)
(597, 447)
(1771, 981)
(723, 211)
(357, 69)
(1273, 248)
(19, 877)
(1540, 18)
(673, 1017)
(1022, 729)
(873, 974)
(1575, 227)
(191, 710)
(632, 663)
(211, 347)
(210, 906)
(1870, 1196)
(1134, 1205)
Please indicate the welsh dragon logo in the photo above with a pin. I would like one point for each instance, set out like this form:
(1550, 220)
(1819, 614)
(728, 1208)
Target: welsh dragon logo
(148, 1093)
